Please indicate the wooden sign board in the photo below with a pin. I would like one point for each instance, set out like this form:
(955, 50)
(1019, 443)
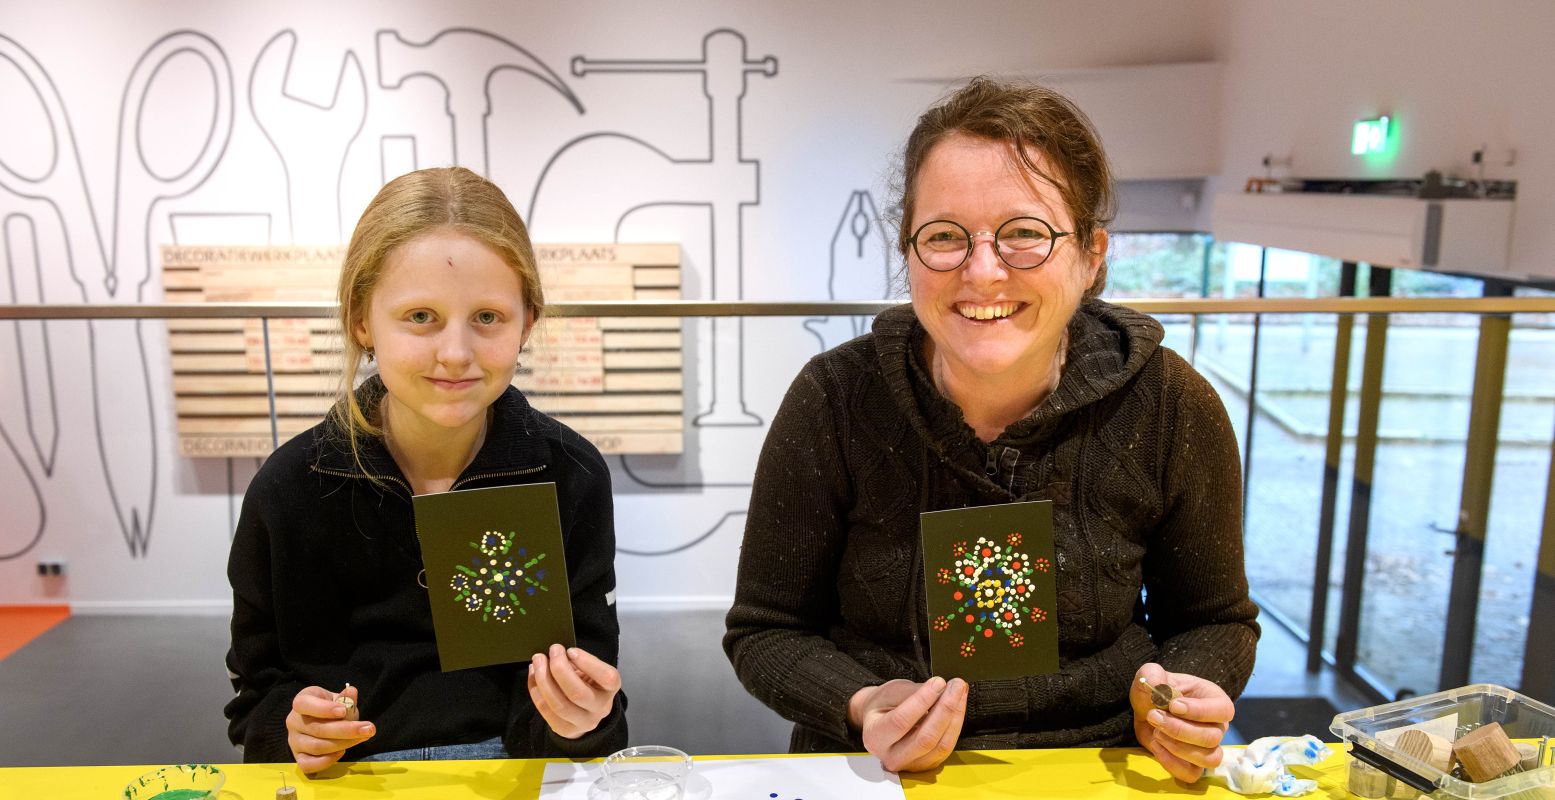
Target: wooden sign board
(617, 381)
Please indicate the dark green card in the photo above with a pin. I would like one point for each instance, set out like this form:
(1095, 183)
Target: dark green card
(989, 578)
(496, 575)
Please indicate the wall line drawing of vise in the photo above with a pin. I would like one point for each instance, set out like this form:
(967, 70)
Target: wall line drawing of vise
(621, 174)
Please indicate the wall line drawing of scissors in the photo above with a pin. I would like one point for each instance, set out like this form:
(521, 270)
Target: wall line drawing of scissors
(113, 262)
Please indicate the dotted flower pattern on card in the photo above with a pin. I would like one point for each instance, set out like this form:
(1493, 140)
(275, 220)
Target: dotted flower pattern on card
(991, 582)
(498, 578)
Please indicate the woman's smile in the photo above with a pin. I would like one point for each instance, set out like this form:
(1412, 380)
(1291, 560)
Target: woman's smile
(989, 312)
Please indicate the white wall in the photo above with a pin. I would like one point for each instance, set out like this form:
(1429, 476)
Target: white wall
(88, 471)
(1453, 76)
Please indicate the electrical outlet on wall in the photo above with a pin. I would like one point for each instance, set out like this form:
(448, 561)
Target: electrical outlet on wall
(1494, 156)
(51, 568)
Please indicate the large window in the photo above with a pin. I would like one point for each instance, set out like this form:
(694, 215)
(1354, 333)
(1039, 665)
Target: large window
(1422, 430)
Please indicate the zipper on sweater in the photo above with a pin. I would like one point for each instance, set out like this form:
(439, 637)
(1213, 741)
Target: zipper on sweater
(1000, 466)
(504, 474)
(410, 493)
(386, 478)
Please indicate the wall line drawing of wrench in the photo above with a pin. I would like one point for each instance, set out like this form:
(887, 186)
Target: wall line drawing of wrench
(311, 139)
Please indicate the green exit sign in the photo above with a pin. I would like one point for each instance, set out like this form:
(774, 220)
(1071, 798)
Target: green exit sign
(1370, 136)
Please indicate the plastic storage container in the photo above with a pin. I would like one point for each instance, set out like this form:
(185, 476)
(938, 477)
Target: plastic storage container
(1370, 733)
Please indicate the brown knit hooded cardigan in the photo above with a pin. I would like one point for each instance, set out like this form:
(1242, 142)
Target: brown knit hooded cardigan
(1134, 449)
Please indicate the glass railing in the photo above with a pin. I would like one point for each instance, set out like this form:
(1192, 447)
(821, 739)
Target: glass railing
(91, 462)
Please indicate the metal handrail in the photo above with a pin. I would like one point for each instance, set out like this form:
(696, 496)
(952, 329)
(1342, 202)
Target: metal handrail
(757, 308)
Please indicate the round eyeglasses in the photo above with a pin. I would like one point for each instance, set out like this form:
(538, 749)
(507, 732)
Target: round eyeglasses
(1022, 243)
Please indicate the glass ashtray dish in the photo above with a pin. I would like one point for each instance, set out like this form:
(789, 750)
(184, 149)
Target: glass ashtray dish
(177, 782)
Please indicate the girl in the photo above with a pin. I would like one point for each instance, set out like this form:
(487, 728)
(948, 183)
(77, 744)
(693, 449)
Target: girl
(440, 290)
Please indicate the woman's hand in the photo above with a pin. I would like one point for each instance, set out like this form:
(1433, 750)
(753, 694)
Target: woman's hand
(572, 690)
(910, 726)
(320, 728)
(1187, 739)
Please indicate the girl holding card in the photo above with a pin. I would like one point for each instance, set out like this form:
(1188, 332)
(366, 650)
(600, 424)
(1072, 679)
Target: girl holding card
(1005, 380)
(333, 654)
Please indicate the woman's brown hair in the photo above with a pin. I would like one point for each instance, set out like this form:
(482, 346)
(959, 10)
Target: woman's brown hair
(408, 207)
(1035, 119)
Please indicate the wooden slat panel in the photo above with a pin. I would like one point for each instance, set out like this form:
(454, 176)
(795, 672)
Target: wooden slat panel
(553, 334)
(254, 384)
(184, 363)
(569, 282)
(643, 359)
(586, 403)
(558, 380)
(240, 405)
(621, 340)
(617, 423)
(642, 381)
(320, 327)
(551, 358)
(627, 400)
(206, 342)
(243, 426)
(646, 443)
(657, 278)
(630, 253)
(210, 446)
(638, 323)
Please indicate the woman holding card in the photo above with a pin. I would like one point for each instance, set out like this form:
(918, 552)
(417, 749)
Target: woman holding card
(1005, 380)
(333, 653)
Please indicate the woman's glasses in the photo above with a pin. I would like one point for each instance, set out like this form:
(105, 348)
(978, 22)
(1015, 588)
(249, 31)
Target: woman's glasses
(1022, 243)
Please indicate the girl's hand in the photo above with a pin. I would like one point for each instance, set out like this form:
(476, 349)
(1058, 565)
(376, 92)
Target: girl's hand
(319, 729)
(572, 689)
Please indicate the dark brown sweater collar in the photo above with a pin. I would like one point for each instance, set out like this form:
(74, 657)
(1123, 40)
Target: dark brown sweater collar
(1108, 345)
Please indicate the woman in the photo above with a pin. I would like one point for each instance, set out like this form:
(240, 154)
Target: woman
(440, 290)
(1005, 380)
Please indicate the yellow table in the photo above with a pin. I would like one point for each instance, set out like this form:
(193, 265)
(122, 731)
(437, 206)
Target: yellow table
(1078, 773)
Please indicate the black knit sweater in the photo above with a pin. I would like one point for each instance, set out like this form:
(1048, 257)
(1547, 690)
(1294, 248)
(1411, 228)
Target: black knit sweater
(324, 570)
(1133, 448)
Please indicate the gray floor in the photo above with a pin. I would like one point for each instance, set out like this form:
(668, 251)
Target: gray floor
(149, 690)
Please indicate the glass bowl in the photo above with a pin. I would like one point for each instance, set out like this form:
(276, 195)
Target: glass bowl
(647, 772)
(177, 782)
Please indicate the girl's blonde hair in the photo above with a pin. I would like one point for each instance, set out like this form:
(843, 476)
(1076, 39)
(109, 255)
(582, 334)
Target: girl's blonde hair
(405, 208)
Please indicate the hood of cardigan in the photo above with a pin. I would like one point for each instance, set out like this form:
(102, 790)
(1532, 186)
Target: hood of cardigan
(512, 441)
(1108, 345)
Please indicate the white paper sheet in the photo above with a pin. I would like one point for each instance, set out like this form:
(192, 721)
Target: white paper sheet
(818, 778)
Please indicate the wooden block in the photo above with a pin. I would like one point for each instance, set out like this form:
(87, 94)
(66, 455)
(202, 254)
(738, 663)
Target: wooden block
(1416, 745)
(1528, 755)
(1485, 753)
(1433, 750)
(1367, 781)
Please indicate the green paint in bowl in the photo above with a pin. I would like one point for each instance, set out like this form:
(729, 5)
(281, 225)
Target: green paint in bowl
(177, 782)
